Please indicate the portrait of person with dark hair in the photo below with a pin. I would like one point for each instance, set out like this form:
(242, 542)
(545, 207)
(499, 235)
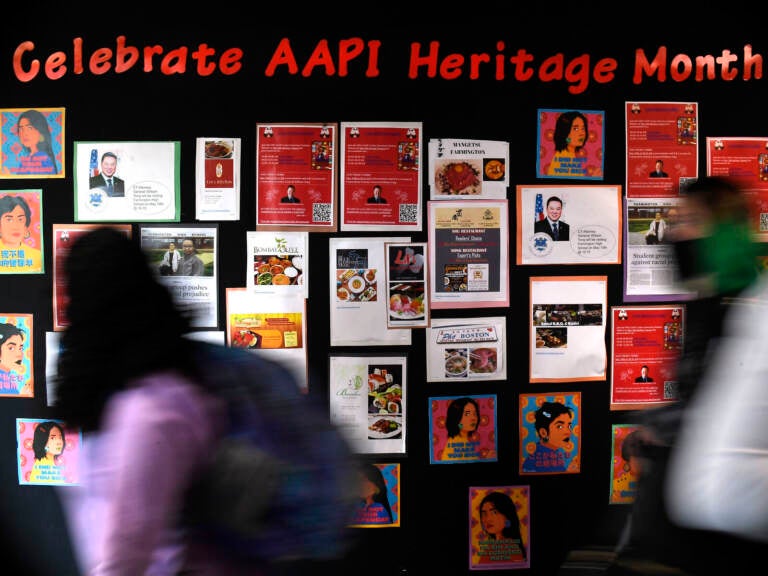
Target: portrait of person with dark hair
(374, 506)
(644, 377)
(552, 224)
(290, 197)
(12, 372)
(16, 255)
(461, 422)
(36, 155)
(501, 539)
(570, 136)
(554, 426)
(106, 179)
(48, 445)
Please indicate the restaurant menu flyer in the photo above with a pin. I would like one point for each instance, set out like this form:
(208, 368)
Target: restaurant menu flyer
(745, 161)
(381, 184)
(499, 527)
(406, 286)
(296, 176)
(568, 323)
(274, 326)
(571, 144)
(469, 252)
(474, 168)
(368, 401)
(661, 131)
(624, 471)
(217, 178)
(589, 221)
(467, 349)
(358, 293)
(647, 343)
(277, 262)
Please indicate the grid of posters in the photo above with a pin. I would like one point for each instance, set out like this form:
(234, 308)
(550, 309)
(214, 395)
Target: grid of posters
(16, 362)
(550, 433)
(296, 176)
(277, 262)
(217, 178)
(647, 342)
(379, 505)
(467, 349)
(475, 168)
(127, 181)
(625, 463)
(469, 252)
(32, 143)
(47, 452)
(368, 401)
(185, 257)
(567, 328)
(569, 224)
(570, 144)
(21, 232)
(462, 429)
(499, 527)
(381, 184)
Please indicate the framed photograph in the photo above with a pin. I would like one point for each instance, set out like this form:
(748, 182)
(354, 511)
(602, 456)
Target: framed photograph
(550, 433)
(462, 429)
(467, 349)
(472, 168)
(47, 452)
(185, 258)
(32, 143)
(217, 178)
(127, 181)
(499, 527)
(368, 401)
(571, 144)
(379, 505)
(17, 378)
(21, 232)
(406, 292)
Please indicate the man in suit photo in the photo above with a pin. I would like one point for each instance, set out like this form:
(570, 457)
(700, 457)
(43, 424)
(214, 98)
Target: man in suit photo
(289, 198)
(377, 197)
(659, 171)
(106, 179)
(644, 375)
(552, 225)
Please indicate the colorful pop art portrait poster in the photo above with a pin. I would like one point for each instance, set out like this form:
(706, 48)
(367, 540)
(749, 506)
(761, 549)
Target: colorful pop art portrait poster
(463, 429)
(550, 433)
(21, 234)
(48, 452)
(499, 527)
(379, 505)
(625, 463)
(32, 143)
(570, 144)
(16, 362)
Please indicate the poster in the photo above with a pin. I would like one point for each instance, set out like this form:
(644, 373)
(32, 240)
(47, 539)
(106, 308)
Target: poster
(467, 349)
(64, 235)
(550, 433)
(662, 147)
(462, 429)
(570, 144)
(569, 224)
(647, 342)
(185, 257)
(47, 452)
(625, 463)
(32, 143)
(277, 262)
(217, 178)
(357, 288)
(379, 505)
(21, 232)
(296, 167)
(406, 290)
(474, 168)
(568, 323)
(273, 326)
(499, 527)
(381, 184)
(16, 356)
(127, 181)
(368, 401)
(469, 252)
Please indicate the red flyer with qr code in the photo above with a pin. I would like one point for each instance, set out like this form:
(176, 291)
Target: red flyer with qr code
(381, 176)
(296, 177)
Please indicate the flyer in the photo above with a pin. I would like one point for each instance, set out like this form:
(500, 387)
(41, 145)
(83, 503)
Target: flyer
(217, 178)
(277, 262)
(625, 463)
(379, 505)
(499, 527)
(47, 452)
(474, 168)
(17, 363)
(462, 429)
(32, 143)
(21, 232)
(467, 349)
(406, 289)
(550, 433)
(570, 144)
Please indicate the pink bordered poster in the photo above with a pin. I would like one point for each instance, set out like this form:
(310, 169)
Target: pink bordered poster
(624, 463)
(499, 527)
(296, 176)
(16, 361)
(662, 147)
(550, 433)
(381, 183)
(47, 452)
(32, 143)
(570, 144)
(21, 232)
(463, 429)
(379, 504)
(647, 342)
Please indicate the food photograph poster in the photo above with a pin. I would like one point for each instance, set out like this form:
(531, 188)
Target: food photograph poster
(568, 324)
(21, 232)
(16, 362)
(570, 144)
(367, 397)
(381, 184)
(463, 429)
(625, 463)
(406, 285)
(469, 252)
(217, 178)
(550, 433)
(32, 143)
(499, 527)
(569, 224)
(47, 452)
(296, 167)
(277, 262)
(127, 181)
(467, 349)
(379, 505)
(647, 342)
(474, 168)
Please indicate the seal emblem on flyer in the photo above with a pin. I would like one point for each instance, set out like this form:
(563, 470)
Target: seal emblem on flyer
(541, 244)
(96, 199)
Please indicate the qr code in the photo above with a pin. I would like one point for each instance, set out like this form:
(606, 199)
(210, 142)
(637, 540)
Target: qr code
(670, 390)
(763, 221)
(408, 212)
(321, 212)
